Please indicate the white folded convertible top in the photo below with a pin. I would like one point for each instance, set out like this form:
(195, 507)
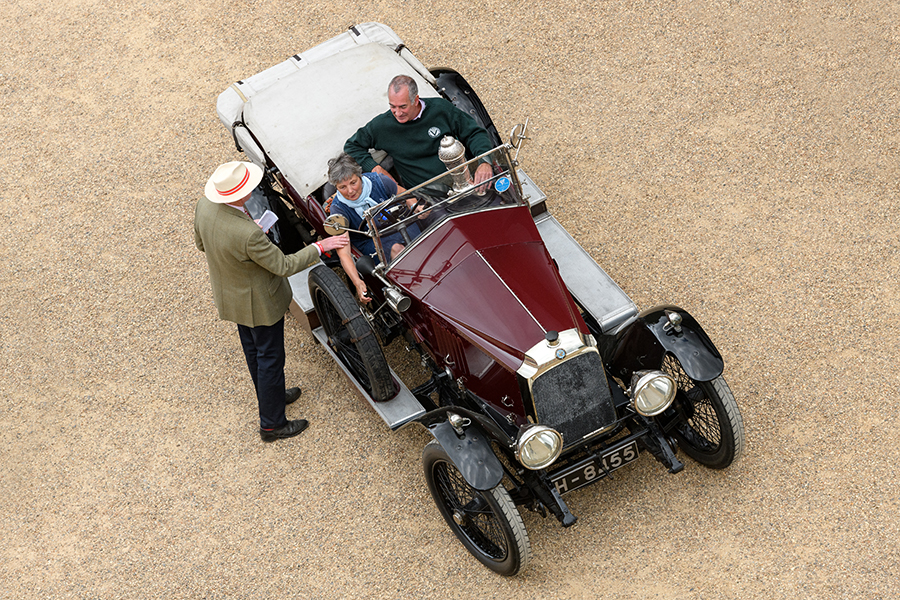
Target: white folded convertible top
(302, 110)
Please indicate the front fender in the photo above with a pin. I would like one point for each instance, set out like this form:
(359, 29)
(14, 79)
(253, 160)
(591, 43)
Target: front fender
(471, 453)
(645, 343)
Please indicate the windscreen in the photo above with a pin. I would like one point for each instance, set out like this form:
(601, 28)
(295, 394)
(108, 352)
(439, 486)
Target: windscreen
(484, 183)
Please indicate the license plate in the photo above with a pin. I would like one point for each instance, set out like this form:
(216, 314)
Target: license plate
(594, 468)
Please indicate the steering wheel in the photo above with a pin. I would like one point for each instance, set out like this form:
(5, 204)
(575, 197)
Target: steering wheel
(388, 216)
(422, 201)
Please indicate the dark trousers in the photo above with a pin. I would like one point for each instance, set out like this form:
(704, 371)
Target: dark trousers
(264, 350)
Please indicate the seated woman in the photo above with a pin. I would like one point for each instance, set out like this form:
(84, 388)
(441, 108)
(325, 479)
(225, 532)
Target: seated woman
(357, 191)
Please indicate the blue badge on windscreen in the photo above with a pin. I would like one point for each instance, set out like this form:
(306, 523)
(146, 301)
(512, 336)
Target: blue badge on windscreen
(502, 184)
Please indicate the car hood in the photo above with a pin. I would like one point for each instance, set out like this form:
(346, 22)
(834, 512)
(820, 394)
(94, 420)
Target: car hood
(489, 275)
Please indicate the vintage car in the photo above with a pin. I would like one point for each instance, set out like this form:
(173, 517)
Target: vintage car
(542, 376)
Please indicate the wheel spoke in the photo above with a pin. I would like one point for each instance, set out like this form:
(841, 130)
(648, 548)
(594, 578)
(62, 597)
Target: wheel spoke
(352, 359)
(701, 428)
(705, 422)
(450, 489)
(486, 532)
(485, 521)
(455, 490)
(350, 338)
(481, 525)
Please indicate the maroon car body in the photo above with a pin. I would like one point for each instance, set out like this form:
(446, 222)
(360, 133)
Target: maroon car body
(542, 375)
(484, 289)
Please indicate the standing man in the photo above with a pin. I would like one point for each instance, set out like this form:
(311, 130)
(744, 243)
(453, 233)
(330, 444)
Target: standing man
(411, 133)
(247, 273)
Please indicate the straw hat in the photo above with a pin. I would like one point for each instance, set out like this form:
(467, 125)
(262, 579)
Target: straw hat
(232, 181)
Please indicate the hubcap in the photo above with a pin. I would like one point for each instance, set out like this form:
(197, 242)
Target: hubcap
(460, 517)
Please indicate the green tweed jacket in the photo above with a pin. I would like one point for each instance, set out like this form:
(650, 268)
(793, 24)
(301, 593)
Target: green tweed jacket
(246, 270)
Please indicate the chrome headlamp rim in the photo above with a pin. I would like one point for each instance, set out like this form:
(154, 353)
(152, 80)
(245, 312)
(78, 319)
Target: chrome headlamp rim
(645, 385)
(526, 445)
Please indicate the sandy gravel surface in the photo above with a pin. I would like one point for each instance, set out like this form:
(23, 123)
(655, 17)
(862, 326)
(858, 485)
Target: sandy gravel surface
(738, 158)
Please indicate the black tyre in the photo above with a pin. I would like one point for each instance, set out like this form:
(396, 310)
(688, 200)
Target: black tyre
(712, 432)
(487, 523)
(349, 333)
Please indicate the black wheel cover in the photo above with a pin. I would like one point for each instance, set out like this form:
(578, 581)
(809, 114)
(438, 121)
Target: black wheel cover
(712, 429)
(486, 522)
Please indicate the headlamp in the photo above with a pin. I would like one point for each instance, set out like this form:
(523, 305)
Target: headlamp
(652, 392)
(538, 446)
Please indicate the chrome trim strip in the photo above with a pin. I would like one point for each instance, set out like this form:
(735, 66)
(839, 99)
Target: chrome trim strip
(531, 372)
(423, 236)
(522, 304)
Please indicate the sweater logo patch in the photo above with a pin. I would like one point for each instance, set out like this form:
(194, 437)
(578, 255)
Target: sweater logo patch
(434, 132)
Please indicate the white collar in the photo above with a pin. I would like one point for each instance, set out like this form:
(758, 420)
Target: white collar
(422, 102)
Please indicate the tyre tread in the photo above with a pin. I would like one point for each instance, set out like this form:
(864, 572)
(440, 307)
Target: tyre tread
(514, 518)
(380, 378)
(434, 452)
(733, 413)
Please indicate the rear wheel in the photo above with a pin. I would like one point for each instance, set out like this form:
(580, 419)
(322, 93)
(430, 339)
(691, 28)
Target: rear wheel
(486, 522)
(349, 333)
(712, 430)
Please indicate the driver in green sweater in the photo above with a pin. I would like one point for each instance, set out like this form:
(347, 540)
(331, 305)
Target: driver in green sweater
(411, 133)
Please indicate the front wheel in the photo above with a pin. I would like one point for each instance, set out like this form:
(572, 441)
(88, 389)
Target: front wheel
(711, 430)
(486, 522)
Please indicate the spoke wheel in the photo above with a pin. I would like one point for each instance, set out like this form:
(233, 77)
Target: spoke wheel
(349, 333)
(486, 522)
(711, 429)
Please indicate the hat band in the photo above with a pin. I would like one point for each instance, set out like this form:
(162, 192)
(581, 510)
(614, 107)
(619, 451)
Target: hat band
(238, 186)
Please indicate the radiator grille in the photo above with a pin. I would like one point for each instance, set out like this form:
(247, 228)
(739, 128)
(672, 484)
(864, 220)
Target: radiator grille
(574, 398)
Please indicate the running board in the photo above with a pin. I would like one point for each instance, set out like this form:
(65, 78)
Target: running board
(396, 412)
(588, 283)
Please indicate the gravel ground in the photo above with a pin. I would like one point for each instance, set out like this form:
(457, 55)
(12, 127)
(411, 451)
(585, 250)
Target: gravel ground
(738, 158)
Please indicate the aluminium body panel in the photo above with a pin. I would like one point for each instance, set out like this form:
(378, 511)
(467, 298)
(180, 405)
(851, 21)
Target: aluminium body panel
(591, 286)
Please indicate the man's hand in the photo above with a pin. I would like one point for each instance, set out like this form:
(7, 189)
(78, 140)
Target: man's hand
(334, 242)
(483, 173)
(380, 170)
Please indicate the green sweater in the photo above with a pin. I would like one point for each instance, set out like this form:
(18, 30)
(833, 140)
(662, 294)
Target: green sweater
(414, 145)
